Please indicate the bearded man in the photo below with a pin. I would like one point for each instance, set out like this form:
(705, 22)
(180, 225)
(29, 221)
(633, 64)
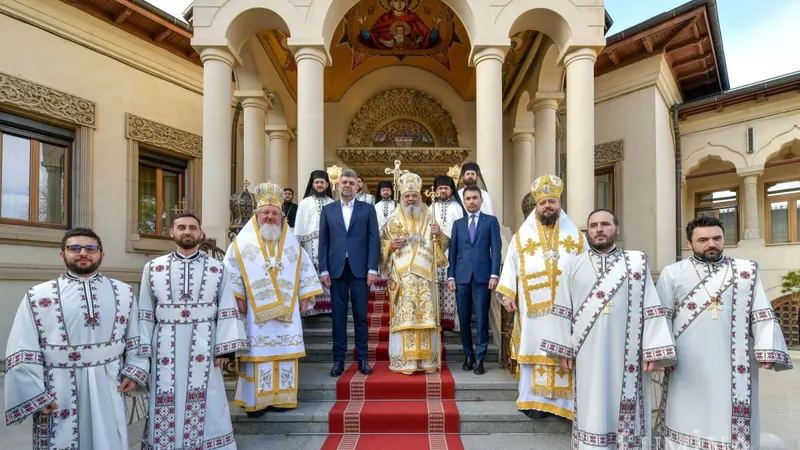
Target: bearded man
(387, 205)
(191, 329)
(75, 346)
(274, 283)
(470, 176)
(306, 229)
(447, 208)
(609, 325)
(411, 249)
(725, 330)
(533, 263)
(362, 195)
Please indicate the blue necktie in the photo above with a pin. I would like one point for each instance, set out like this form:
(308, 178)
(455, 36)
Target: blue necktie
(472, 229)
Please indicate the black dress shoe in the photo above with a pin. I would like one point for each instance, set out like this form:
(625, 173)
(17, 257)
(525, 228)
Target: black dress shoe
(277, 409)
(479, 370)
(363, 367)
(256, 414)
(469, 363)
(537, 415)
(337, 369)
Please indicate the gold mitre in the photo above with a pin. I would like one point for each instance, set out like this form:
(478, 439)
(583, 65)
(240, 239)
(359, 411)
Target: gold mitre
(268, 194)
(547, 186)
(409, 182)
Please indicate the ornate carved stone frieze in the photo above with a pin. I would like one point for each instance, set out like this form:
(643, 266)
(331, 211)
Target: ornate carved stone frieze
(413, 155)
(43, 100)
(163, 136)
(426, 172)
(608, 152)
(402, 103)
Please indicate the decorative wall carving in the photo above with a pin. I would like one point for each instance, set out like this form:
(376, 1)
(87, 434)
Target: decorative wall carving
(402, 103)
(426, 172)
(608, 153)
(43, 100)
(386, 155)
(163, 136)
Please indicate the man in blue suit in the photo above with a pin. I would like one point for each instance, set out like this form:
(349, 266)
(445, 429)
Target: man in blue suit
(474, 271)
(348, 262)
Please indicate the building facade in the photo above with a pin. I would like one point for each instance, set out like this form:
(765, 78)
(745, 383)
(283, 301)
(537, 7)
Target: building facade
(116, 115)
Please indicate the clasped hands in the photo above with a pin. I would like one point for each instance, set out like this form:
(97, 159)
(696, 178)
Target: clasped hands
(451, 284)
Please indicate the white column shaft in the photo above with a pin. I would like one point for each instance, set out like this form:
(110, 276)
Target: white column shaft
(580, 134)
(217, 116)
(523, 154)
(310, 104)
(279, 158)
(489, 106)
(255, 140)
(751, 228)
(544, 121)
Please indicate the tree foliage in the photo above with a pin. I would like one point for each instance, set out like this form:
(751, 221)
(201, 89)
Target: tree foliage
(790, 283)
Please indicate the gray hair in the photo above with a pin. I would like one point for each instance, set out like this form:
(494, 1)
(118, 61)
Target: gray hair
(350, 173)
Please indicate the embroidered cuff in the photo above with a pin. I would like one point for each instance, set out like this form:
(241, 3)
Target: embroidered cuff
(25, 409)
(24, 356)
(131, 344)
(654, 311)
(561, 311)
(762, 314)
(147, 316)
(136, 374)
(227, 313)
(146, 351)
(551, 348)
(231, 347)
(773, 356)
(659, 353)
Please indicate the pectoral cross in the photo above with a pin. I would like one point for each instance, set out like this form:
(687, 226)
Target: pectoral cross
(607, 308)
(714, 308)
(396, 172)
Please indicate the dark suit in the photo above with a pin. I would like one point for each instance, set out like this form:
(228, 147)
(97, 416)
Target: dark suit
(347, 254)
(472, 264)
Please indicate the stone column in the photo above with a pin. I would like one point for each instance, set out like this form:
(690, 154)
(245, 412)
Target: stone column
(217, 116)
(544, 107)
(489, 125)
(310, 104)
(255, 137)
(523, 156)
(279, 158)
(580, 133)
(750, 203)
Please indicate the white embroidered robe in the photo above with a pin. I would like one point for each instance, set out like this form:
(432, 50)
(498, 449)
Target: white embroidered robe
(306, 230)
(366, 198)
(271, 278)
(414, 320)
(486, 206)
(530, 274)
(607, 317)
(384, 209)
(71, 341)
(447, 212)
(711, 396)
(188, 315)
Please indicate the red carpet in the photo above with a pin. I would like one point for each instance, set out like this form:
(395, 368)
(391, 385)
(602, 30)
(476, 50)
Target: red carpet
(389, 411)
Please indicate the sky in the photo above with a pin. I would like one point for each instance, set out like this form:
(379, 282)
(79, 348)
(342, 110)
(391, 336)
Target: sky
(759, 37)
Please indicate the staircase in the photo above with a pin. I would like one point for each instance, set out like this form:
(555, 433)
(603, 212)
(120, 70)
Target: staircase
(389, 410)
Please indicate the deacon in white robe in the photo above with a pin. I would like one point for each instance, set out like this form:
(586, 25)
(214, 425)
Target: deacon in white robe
(445, 211)
(73, 351)
(363, 195)
(530, 273)
(306, 229)
(410, 255)
(725, 330)
(471, 175)
(274, 282)
(609, 325)
(386, 206)
(190, 328)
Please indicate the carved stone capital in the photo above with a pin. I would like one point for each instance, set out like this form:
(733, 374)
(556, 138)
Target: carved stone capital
(163, 136)
(45, 101)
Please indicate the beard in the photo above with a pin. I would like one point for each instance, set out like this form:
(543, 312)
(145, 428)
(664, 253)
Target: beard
(322, 194)
(549, 221)
(187, 242)
(412, 211)
(270, 232)
(77, 269)
(709, 256)
(602, 247)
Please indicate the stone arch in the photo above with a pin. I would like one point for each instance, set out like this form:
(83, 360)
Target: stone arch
(407, 104)
(558, 19)
(325, 16)
(246, 73)
(551, 74)
(239, 20)
(710, 150)
(775, 145)
(524, 116)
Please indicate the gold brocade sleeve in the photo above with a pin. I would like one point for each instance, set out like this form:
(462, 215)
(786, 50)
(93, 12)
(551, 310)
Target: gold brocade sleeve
(441, 258)
(386, 249)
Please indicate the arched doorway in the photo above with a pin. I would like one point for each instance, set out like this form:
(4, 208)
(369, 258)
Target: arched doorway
(786, 312)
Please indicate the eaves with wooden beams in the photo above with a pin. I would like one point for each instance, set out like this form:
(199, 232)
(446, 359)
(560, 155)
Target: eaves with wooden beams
(144, 21)
(689, 38)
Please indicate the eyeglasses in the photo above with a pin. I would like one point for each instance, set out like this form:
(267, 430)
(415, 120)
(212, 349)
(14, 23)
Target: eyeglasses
(90, 249)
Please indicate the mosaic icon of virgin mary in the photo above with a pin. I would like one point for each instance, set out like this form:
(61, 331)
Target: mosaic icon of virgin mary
(399, 28)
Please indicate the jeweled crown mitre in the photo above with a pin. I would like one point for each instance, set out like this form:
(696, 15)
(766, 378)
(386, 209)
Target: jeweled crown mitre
(409, 182)
(268, 194)
(547, 186)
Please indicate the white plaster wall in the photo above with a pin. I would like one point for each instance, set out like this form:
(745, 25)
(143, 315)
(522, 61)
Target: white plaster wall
(665, 244)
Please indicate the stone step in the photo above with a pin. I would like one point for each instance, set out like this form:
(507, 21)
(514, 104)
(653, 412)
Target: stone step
(508, 441)
(323, 336)
(321, 352)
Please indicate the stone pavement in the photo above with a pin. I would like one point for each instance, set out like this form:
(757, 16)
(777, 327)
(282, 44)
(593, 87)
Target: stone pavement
(780, 415)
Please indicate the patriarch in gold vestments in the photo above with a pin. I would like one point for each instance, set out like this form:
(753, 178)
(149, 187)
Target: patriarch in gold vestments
(530, 273)
(274, 282)
(411, 251)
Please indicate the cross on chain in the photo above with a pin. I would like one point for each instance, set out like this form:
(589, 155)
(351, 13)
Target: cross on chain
(607, 308)
(715, 308)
